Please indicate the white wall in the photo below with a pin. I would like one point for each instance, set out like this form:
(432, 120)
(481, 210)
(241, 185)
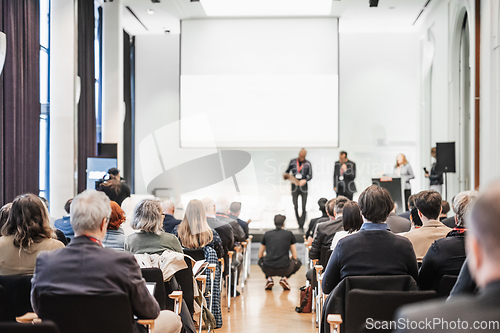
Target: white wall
(438, 31)
(62, 105)
(490, 92)
(378, 119)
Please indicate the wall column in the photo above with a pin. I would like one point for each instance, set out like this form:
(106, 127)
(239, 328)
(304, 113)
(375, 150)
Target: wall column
(113, 112)
(62, 105)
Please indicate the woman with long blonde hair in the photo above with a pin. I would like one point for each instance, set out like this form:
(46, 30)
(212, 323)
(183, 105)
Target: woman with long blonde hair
(403, 169)
(194, 231)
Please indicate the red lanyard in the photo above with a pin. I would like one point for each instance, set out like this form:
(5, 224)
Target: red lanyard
(95, 240)
(299, 168)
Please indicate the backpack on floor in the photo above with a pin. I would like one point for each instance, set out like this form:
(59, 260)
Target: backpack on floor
(305, 300)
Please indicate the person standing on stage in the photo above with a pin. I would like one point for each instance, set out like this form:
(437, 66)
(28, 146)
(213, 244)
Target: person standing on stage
(302, 171)
(435, 177)
(344, 174)
(403, 169)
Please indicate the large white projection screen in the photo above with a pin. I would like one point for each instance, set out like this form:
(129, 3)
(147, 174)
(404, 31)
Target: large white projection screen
(262, 83)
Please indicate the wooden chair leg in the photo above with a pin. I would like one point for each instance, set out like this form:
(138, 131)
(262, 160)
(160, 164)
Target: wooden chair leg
(334, 320)
(203, 280)
(228, 284)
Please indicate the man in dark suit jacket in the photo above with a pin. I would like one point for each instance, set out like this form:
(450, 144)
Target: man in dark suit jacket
(343, 176)
(374, 250)
(86, 268)
(169, 221)
(325, 231)
(234, 214)
(473, 313)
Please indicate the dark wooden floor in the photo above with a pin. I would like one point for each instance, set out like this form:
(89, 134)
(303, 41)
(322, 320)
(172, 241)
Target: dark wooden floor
(258, 310)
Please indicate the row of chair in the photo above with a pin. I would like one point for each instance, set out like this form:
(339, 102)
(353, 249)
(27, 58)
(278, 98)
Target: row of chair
(349, 305)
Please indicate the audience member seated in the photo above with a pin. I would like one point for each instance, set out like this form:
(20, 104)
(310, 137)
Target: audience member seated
(169, 221)
(4, 214)
(26, 234)
(312, 224)
(222, 213)
(274, 259)
(428, 204)
(223, 229)
(325, 231)
(86, 268)
(398, 224)
(234, 214)
(194, 233)
(59, 234)
(115, 236)
(151, 239)
(374, 250)
(198, 237)
(450, 221)
(64, 224)
(351, 222)
(411, 205)
(447, 255)
(444, 211)
(483, 258)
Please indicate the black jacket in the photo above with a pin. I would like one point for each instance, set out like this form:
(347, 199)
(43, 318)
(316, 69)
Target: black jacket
(313, 223)
(238, 232)
(435, 177)
(346, 185)
(242, 224)
(370, 252)
(169, 223)
(445, 257)
(482, 308)
(225, 232)
(323, 236)
(449, 222)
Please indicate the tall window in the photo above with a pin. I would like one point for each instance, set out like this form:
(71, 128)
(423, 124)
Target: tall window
(44, 96)
(98, 69)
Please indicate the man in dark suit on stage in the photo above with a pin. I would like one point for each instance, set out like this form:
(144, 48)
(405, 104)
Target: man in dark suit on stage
(85, 267)
(483, 253)
(302, 173)
(343, 176)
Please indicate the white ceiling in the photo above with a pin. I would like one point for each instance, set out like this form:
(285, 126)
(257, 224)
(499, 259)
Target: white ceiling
(355, 15)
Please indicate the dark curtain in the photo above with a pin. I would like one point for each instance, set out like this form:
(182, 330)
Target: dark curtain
(128, 96)
(86, 107)
(20, 99)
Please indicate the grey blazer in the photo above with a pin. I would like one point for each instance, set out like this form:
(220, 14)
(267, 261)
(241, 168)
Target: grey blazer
(86, 268)
(406, 174)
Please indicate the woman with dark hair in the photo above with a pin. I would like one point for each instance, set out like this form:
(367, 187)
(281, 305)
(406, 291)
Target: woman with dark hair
(26, 233)
(374, 250)
(115, 236)
(351, 221)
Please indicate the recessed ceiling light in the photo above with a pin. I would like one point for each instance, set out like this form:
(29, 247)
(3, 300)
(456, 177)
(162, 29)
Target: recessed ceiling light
(151, 12)
(267, 7)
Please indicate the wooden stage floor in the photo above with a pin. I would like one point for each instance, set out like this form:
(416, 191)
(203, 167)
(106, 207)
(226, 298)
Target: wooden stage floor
(257, 310)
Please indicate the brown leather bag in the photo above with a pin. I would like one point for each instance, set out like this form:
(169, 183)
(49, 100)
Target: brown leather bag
(305, 300)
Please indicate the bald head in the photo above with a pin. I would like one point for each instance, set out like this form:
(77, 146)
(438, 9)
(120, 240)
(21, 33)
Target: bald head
(209, 205)
(302, 154)
(168, 207)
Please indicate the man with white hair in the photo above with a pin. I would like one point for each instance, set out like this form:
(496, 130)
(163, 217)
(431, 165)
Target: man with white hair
(468, 313)
(85, 267)
(169, 221)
